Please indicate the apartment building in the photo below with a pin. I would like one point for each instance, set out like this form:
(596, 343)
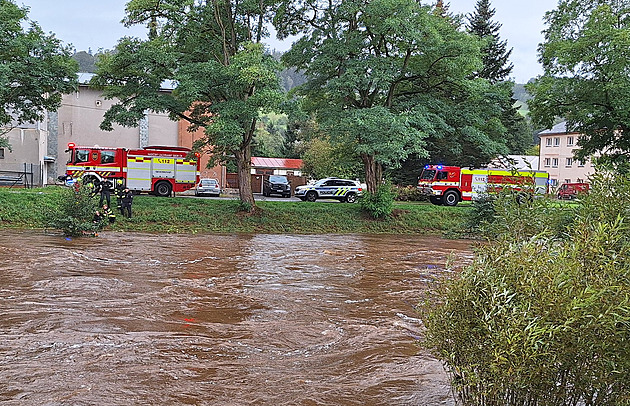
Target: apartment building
(41, 147)
(556, 156)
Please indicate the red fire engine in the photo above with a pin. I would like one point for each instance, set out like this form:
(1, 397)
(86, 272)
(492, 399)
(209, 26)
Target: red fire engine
(449, 185)
(160, 170)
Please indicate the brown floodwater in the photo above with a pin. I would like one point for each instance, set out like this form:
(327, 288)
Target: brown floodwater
(142, 319)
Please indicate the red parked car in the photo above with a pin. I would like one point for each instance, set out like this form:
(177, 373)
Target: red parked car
(572, 190)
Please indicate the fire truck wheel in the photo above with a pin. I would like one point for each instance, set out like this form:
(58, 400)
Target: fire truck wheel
(450, 198)
(435, 200)
(523, 198)
(163, 189)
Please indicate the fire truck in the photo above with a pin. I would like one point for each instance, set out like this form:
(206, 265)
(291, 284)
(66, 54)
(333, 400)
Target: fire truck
(155, 169)
(449, 185)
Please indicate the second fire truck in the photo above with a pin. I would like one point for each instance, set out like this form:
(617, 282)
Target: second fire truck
(448, 185)
(158, 170)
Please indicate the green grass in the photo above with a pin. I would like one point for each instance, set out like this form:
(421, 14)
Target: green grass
(25, 208)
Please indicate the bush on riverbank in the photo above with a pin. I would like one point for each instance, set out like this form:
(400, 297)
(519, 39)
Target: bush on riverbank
(542, 317)
(379, 204)
(72, 212)
(24, 208)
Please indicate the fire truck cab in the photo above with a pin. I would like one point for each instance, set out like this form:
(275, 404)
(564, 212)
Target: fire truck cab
(449, 185)
(155, 169)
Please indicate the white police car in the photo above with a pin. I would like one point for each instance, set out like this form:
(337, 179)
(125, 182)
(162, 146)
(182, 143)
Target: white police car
(344, 190)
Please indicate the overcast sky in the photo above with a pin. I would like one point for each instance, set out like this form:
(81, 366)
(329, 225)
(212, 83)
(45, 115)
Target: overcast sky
(96, 25)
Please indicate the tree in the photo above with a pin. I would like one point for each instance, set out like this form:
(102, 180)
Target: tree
(213, 52)
(86, 61)
(585, 61)
(391, 78)
(35, 69)
(496, 69)
(495, 55)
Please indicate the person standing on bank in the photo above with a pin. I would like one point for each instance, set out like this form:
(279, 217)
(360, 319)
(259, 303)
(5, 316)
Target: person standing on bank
(126, 202)
(119, 192)
(106, 191)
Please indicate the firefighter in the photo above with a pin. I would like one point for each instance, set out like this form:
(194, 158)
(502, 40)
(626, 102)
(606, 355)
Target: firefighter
(97, 219)
(105, 188)
(119, 192)
(107, 212)
(92, 187)
(126, 202)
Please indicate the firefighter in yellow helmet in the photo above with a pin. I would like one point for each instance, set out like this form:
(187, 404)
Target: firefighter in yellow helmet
(119, 192)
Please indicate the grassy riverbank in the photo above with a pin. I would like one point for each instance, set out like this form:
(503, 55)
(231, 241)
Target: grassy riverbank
(25, 208)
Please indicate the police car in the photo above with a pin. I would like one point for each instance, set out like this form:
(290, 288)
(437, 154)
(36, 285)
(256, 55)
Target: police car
(344, 190)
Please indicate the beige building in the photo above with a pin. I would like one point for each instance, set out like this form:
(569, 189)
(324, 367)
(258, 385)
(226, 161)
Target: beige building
(80, 115)
(556, 156)
(41, 147)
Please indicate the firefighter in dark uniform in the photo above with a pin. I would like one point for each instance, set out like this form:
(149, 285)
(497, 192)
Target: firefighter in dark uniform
(109, 214)
(126, 202)
(119, 192)
(105, 189)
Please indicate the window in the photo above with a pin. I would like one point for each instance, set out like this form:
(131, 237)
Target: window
(580, 164)
(1, 153)
(569, 162)
(547, 162)
(569, 141)
(549, 142)
(567, 181)
(554, 162)
(81, 155)
(442, 176)
(556, 142)
(107, 157)
(553, 182)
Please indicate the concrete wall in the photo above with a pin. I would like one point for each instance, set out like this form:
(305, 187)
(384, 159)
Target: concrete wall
(186, 139)
(28, 146)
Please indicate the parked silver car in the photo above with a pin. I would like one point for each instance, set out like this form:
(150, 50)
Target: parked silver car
(208, 187)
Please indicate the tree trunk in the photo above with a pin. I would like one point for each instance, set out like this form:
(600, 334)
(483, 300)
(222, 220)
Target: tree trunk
(244, 164)
(373, 172)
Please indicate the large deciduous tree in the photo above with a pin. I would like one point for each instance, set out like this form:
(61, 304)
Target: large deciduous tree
(35, 69)
(586, 76)
(392, 78)
(213, 53)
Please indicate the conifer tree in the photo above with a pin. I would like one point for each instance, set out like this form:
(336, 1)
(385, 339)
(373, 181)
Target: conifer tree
(497, 69)
(496, 64)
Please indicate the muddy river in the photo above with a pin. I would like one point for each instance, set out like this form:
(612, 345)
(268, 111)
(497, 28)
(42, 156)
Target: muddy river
(140, 319)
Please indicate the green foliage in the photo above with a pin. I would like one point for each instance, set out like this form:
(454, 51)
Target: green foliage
(585, 60)
(392, 78)
(72, 212)
(224, 77)
(542, 316)
(409, 194)
(35, 68)
(24, 208)
(495, 55)
(379, 204)
(323, 158)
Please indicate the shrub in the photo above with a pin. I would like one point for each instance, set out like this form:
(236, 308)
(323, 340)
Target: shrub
(541, 317)
(72, 212)
(408, 194)
(379, 204)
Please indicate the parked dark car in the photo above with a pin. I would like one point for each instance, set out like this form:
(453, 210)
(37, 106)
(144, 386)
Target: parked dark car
(276, 184)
